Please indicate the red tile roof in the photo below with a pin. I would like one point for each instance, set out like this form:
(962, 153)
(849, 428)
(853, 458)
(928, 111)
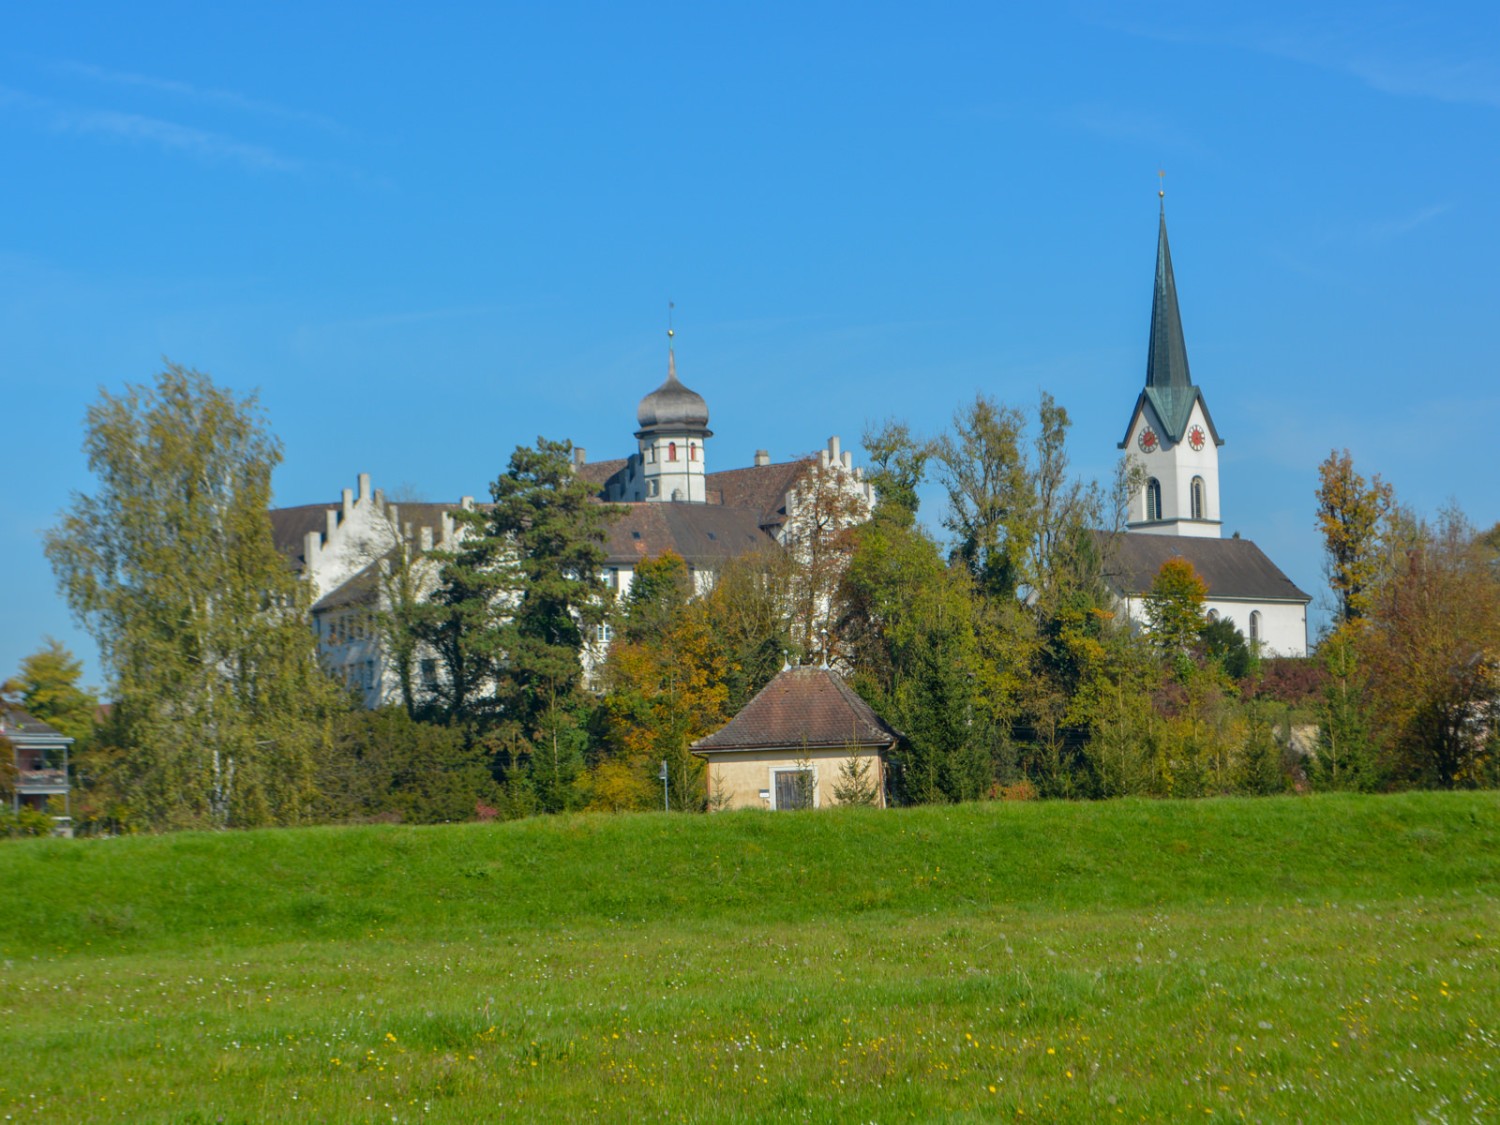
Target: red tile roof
(810, 707)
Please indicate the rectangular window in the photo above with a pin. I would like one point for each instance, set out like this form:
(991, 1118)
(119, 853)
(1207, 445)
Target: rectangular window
(429, 673)
(793, 788)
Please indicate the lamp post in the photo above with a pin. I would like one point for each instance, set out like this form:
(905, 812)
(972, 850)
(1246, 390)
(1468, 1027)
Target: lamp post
(666, 805)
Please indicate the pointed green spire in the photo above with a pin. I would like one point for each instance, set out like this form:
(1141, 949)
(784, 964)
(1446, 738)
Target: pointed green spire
(1169, 384)
(1166, 362)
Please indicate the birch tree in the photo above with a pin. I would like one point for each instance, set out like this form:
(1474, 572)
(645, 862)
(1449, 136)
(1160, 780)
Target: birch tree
(201, 624)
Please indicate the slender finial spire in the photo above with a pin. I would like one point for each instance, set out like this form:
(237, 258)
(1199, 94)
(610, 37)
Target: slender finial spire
(671, 352)
(1161, 188)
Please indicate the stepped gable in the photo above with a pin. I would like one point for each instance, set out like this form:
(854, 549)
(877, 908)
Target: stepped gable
(1232, 568)
(801, 707)
(705, 535)
(289, 526)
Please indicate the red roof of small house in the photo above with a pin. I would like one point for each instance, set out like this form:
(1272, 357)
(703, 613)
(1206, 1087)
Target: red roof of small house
(811, 707)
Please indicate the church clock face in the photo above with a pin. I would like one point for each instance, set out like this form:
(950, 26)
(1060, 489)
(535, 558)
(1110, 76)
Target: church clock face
(1148, 441)
(1196, 439)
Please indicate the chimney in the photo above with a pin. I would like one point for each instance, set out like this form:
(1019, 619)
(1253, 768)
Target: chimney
(762, 456)
(466, 503)
(580, 456)
(364, 487)
(310, 545)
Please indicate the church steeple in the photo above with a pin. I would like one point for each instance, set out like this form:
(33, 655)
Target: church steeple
(1166, 361)
(1171, 436)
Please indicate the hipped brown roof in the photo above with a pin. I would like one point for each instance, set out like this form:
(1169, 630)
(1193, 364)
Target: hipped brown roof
(810, 707)
(1232, 568)
(706, 535)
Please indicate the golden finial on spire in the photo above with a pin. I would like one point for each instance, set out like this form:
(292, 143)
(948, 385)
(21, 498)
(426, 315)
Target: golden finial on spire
(1161, 185)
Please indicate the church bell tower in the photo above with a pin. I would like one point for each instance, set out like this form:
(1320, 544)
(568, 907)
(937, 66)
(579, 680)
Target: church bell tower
(1171, 440)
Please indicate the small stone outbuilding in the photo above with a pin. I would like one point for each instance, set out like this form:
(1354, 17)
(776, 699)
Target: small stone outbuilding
(804, 738)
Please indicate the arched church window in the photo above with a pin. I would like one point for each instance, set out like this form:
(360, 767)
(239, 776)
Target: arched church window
(1213, 615)
(671, 451)
(1255, 626)
(1198, 498)
(1153, 499)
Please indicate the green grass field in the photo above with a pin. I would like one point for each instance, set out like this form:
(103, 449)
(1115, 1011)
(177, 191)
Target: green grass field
(1313, 959)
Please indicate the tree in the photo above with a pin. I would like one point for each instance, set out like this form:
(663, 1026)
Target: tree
(749, 615)
(1174, 607)
(822, 511)
(384, 764)
(991, 499)
(220, 706)
(907, 622)
(1224, 645)
(47, 687)
(899, 466)
(1351, 516)
(1345, 757)
(1430, 648)
(665, 686)
(508, 614)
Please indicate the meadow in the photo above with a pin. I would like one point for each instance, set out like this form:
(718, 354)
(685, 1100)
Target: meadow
(1328, 958)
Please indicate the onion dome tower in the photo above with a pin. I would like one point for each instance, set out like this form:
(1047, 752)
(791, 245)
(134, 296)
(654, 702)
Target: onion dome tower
(1171, 437)
(673, 424)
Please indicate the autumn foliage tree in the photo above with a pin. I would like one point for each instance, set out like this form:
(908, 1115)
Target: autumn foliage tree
(1174, 606)
(1351, 517)
(665, 686)
(1431, 654)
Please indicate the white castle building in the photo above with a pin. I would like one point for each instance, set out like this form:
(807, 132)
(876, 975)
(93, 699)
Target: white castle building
(1173, 444)
(668, 500)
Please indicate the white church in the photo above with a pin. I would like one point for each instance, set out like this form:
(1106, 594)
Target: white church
(1173, 445)
(670, 500)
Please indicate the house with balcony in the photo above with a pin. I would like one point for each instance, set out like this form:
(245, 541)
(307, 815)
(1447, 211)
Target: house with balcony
(40, 755)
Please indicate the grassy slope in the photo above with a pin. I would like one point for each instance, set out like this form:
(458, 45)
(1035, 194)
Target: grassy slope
(1316, 959)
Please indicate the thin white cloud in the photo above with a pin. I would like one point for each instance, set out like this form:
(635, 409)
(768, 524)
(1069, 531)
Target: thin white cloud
(227, 98)
(1405, 224)
(1380, 46)
(1120, 123)
(168, 135)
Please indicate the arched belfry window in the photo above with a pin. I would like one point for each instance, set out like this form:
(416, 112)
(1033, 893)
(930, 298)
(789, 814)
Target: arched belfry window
(692, 451)
(1255, 626)
(1198, 505)
(671, 451)
(1153, 499)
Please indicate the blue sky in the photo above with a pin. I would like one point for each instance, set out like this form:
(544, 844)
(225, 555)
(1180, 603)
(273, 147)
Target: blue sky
(427, 237)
